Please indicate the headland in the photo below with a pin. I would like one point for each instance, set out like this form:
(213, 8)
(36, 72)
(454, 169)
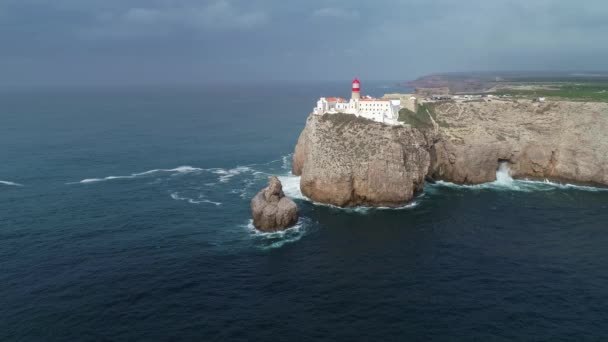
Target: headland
(351, 158)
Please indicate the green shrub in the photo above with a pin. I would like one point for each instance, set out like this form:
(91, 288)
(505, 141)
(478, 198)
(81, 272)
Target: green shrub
(419, 119)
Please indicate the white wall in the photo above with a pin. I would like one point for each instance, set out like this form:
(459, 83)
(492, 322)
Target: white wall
(386, 111)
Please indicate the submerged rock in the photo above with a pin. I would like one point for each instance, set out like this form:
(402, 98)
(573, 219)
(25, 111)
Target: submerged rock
(271, 209)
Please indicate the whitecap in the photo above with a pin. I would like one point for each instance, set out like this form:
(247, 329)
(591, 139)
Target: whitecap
(178, 170)
(184, 169)
(10, 183)
(226, 175)
(200, 200)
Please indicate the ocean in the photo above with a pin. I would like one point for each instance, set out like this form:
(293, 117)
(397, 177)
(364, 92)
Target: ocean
(124, 216)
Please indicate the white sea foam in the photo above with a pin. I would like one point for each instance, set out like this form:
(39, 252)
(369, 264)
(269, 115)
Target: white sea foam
(503, 176)
(504, 181)
(271, 240)
(200, 200)
(287, 162)
(10, 183)
(291, 188)
(185, 169)
(226, 175)
(549, 184)
(177, 170)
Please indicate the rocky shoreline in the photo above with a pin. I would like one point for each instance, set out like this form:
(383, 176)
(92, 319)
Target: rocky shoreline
(348, 161)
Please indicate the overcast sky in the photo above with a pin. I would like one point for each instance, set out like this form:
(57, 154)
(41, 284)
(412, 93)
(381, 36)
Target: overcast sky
(195, 41)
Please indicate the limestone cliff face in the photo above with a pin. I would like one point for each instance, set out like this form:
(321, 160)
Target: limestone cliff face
(558, 140)
(349, 161)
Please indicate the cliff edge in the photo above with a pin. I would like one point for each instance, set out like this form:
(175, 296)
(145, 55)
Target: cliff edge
(349, 161)
(556, 140)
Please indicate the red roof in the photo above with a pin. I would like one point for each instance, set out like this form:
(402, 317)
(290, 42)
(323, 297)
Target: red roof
(356, 80)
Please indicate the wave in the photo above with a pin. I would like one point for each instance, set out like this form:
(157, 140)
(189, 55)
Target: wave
(504, 181)
(287, 162)
(271, 240)
(291, 188)
(366, 209)
(200, 200)
(522, 185)
(179, 169)
(565, 186)
(10, 183)
(226, 175)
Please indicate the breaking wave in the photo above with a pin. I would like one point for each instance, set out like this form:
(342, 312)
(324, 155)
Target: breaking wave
(504, 181)
(272, 240)
(226, 175)
(10, 183)
(291, 188)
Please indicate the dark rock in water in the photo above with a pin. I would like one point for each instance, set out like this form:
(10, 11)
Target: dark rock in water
(271, 210)
(430, 179)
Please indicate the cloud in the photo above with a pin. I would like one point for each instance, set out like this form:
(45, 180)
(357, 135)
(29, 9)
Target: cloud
(221, 15)
(186, 40)
(335, 12)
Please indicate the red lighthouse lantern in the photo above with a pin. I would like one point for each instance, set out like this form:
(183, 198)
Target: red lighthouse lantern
(356, 89)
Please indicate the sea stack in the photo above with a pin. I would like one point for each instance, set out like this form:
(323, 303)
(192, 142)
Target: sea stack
(271, 209)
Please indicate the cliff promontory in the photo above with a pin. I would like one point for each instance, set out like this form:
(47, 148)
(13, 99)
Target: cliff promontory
(556, 140)
(350, 161)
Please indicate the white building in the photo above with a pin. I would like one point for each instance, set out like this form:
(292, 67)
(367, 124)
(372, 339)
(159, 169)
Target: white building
(380, 110)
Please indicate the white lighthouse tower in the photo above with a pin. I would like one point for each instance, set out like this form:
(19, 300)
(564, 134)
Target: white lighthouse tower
(356, 95)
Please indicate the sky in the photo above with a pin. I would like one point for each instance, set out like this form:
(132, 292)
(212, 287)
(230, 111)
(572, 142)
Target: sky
(62, 42)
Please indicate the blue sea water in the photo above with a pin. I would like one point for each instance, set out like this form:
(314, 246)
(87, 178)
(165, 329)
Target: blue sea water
(124, 216)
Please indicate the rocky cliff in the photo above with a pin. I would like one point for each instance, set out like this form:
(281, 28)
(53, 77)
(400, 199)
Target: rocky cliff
(350, 161)
(271, 209)
(557, 140)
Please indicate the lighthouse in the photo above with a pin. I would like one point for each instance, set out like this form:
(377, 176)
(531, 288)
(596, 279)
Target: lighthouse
(356, 89)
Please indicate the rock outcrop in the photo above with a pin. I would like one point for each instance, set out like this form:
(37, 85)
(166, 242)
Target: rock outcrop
(271, 209)
(348, 161)
(556, 140)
